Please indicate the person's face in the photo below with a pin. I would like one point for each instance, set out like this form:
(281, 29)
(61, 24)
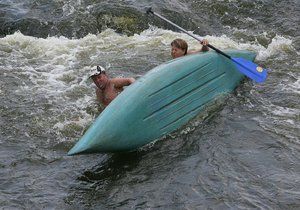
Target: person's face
(100, 80)
(176, 52)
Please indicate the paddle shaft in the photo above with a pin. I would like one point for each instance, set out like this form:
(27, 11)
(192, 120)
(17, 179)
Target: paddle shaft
(185, 31)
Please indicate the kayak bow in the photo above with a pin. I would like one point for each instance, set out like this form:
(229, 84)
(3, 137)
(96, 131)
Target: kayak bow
(161, 101)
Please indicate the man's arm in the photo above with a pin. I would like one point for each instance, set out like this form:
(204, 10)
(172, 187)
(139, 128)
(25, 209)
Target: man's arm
(121, 82)
(203, 49)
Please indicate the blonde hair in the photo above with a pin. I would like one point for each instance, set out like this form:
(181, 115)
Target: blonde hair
(181, 44)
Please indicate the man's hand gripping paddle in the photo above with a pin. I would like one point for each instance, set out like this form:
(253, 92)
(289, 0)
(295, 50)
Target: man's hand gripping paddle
(246, 67)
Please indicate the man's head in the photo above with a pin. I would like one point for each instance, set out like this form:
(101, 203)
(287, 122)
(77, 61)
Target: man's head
(99, 77)
(179, 48)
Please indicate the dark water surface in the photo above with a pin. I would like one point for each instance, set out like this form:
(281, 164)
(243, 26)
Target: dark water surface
(241, 153)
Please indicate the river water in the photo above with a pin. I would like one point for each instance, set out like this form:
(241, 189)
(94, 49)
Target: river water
(242, 153)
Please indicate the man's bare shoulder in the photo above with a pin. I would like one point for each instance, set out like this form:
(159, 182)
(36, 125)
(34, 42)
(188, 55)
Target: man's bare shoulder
(120, 82)
(118, 79)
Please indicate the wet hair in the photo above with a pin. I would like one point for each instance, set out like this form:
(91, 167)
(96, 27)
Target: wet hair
(181, 44)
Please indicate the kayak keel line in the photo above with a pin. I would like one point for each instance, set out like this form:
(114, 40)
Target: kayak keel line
(161, 101)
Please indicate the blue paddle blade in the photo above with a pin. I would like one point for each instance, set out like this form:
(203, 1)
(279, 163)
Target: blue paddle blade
(250, 69)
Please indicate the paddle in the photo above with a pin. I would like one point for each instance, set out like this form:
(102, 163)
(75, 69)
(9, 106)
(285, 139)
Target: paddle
(246, 67)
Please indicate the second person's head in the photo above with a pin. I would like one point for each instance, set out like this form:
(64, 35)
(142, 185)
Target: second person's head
(179, 48)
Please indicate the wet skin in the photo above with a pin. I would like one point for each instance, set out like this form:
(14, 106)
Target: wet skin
(108, 89)
(177, 52)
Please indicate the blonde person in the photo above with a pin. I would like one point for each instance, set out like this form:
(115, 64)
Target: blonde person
(179, 48)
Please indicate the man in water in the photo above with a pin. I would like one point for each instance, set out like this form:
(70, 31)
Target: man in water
(179, 48)
(108, 89)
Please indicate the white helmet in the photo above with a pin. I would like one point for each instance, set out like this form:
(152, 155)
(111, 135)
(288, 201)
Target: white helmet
(97, 70)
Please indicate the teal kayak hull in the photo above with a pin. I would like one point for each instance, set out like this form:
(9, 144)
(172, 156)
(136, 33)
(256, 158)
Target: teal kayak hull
(161, 101)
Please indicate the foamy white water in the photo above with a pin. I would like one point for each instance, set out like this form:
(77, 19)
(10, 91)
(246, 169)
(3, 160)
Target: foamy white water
(242, 153)
(59, 67)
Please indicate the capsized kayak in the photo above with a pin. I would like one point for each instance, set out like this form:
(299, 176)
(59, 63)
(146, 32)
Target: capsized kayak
(161, 101)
